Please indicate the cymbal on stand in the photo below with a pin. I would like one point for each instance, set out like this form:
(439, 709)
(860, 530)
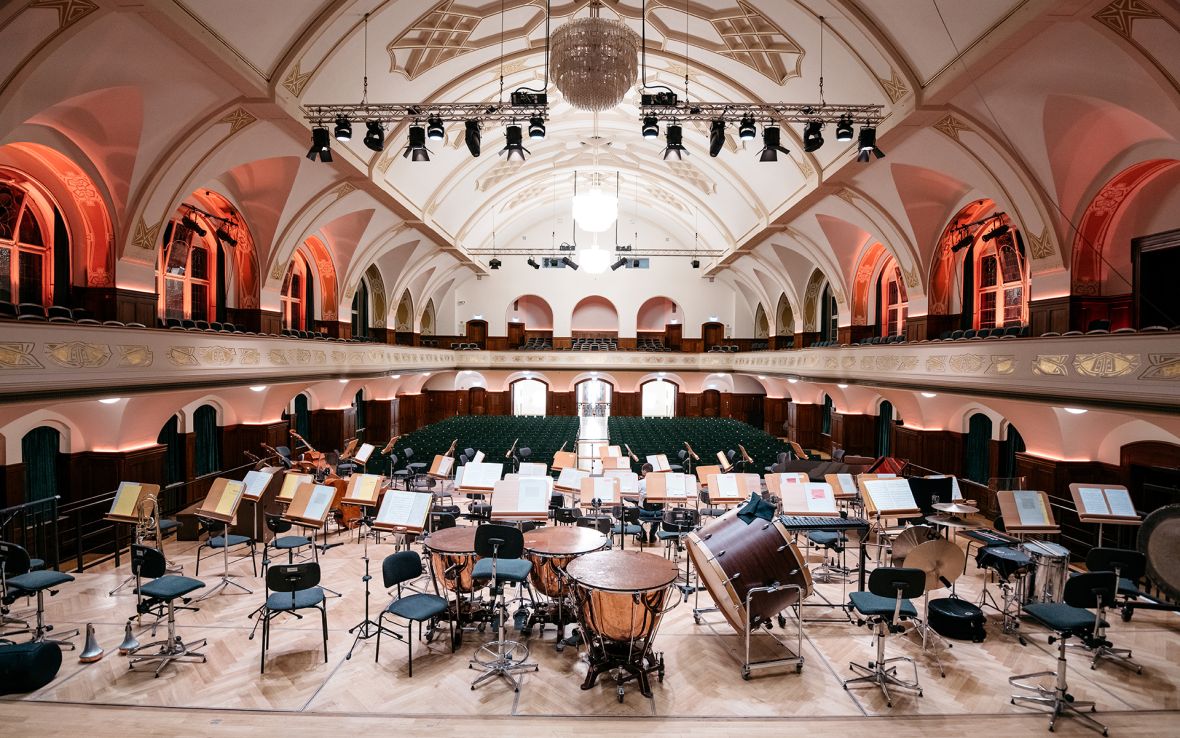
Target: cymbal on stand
(940, 559)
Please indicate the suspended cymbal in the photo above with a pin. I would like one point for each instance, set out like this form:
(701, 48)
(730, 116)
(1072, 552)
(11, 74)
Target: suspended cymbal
(940, 559)
(956, 508)
(908, 540)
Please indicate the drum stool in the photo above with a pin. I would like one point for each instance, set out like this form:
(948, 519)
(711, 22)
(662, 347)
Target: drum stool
(887, 606)
(500, 548)
(831, 542)
(1128, 566)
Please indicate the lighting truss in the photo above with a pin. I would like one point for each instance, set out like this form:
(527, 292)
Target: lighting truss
(760, 112)
(521, 108)
(702, 253)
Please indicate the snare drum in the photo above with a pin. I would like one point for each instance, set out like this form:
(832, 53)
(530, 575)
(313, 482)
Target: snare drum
(733, 557)
(1050, 570)
(552, 548)
(452, 558)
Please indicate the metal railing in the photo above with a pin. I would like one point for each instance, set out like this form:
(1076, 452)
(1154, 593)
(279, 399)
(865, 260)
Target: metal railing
(33, 526)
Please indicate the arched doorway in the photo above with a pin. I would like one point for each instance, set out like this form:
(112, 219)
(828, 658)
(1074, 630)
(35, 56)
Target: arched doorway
(207, 458)
(40, 453)
(658, 398)
(976, 448)
(884, 444)
(529, 397)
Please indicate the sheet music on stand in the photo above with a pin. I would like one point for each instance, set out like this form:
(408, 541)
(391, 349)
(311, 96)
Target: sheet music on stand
(659, 463)
(255, 483)
(669, 487)
(704, 472)
(615, 462)
(1104, 503)
(724, 488)
(890, 497)
(808, 498)
(403, 511)
(843, 485)
(363, 490)
(570, 479)
(609, 451)
(441, 467)
(775, 482)
(311, 504)
(603, 489)
(862, 479)
(479, 477)
(364, 452)
(628, 482)
(1026, 511)
(533, 469)
(479, 457)
(523, 498)
(125, 506)
(221, 503)
(292, 481)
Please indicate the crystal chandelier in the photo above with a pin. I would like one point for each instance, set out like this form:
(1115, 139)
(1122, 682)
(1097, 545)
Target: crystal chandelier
(595, 61)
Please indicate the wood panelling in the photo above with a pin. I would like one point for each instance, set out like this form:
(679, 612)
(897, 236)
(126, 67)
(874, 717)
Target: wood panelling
(937, 450)
(380, 420)
(1054, 477)
(1118, 309)
(855, 433)
(803, 423)
(1048, 315)
(936, 325)
(411, 413)
(806, 338)
(916, 328)
(237, 439)
(774, 415)
(331, 428)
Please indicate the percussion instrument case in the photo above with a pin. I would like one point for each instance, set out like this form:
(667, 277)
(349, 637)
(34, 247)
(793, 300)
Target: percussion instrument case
(952, 617)
(26, 667)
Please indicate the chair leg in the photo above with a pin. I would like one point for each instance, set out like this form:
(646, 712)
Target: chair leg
(324, 619)
(198, 573)
(1056, 700)
(410, 642)
(265, 638)
(380, 627)
(253, 561)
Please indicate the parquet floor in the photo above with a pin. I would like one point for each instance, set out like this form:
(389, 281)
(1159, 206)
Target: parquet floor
(703, 681)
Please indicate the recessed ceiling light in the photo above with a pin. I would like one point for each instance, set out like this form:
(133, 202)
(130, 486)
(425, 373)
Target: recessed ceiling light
(929, 394)
(342, 381)
(761, 377)
(258, 388)
(792, 380)
(842, 386)
(661, 374)
(1075, 410)
(395, 376)
(110, 400)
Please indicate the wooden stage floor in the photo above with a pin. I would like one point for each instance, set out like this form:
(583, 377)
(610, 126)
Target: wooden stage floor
(703, 692)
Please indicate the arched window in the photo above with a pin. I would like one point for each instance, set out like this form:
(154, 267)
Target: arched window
(40, 448)
(1001, 279)
(360, 311)
(208, 447)
(27, 225)
(829, 320)
(191, 271)
(976, 451)
(529, 396)
(894, 304)
(297, 294)
(658, 399)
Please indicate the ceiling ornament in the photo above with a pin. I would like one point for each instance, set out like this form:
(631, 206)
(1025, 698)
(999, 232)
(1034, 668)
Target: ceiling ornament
(595, 61)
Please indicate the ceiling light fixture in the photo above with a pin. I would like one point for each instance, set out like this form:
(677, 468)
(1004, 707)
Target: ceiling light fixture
(747, 129)
(929, 394)
(222, 233)
(320, 145)
(792, 380)
(494, 263)
(110, 400)
(533, 263)
(716, 136)
(434, 129)
(536, 127)
(595, 60)
(674, 142)
(514, 143)
(1075, 410)
(844, 129)
(813, 136)
(868, 144)
(258, 388)
(842, 386)
(375, 137)
(569, 263)
(651, 127)
(695, 263)
(343, 130)
(416, 145)
(594, 211)
(770, 144)
(472, 136)
(619, 264)
(996, 232)
(188, 222)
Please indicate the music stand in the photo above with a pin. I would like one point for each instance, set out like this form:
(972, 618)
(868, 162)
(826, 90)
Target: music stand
(521, 499)
(1102, 504)
(221, 505)
(659, 463)
(1027, 512)
(255, 484)
(564, 460)
(125, 509)
(668, 487)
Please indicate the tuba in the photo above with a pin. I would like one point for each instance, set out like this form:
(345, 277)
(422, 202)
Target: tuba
(147, 520)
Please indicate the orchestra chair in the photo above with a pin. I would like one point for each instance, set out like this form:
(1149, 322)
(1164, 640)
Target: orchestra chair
(1067, 619)
(441, 521)
(627, 524)
(886, 607)
(6, 598)
(396, 570)
(565, 516)
(500, 548)
(1128, 566)
(415, 467)
(676, 524)
(829, 542)
(708, 510)
(290, 588)
(680, 456)
(21, 580)
(277, 525)
(216, 543)
(157, 596)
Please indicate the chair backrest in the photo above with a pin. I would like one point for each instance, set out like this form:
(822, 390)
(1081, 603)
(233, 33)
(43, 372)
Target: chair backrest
(147, 562)
(408, 453)
(501, 541)
(525, 452)
(1126, 563)
(602, 525)
(463, 459)
(403, 566)
(276, 524)
(14, 559)
(680, 519)
(292, 577)
(441, 521)
(892, 581)
(1086, 590)
(470, 453)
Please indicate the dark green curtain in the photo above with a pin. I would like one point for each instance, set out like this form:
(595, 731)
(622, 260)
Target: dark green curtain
(302, 416)
(308, 304)
(975, 452)
(359, 403)
(170, 439)
(222, 257)
(967, 314)
(884, 429)
(1013, 444)
(826, 418)
(39, 452)
(208, 440)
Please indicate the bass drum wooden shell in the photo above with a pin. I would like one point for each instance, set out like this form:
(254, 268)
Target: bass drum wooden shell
(732, 557)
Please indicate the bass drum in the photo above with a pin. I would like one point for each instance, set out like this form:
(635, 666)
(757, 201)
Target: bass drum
(1159, 542)
(733, 556)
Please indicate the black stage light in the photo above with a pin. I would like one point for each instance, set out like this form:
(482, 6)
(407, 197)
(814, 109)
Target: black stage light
(996, 232)
(771, 145)
(416, 145)
(651, 127)
(224, 236)
(569, 263)
(619, 264)
(963, 242)
(320, 145)
(533, 263)
(868, 144)
(514, 143)
(472, 136)
(434, 129)
(188, 222)
(675, 143)
(813, 136)
(844, 129)
(494, 263)
(746, 129)
(716, 137)
(375, 138)
(536, 127)
(343, 129)
(696, 263)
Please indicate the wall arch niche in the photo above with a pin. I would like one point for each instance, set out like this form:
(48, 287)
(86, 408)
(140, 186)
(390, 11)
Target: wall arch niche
(784, 323)
(528, 317)
(594, 317)
(658, 398)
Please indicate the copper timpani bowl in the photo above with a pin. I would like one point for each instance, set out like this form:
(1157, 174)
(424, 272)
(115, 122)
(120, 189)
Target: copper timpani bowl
(552, 548)
(452, 558)
(621, 595)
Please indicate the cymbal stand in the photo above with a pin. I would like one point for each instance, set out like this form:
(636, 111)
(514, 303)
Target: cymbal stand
(367, 628)
(226, 581)
(1009, 604)
(930, 637)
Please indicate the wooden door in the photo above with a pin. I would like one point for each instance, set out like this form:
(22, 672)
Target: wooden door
(477, 332)
(712, 334)
(515, 335)
(672, 334)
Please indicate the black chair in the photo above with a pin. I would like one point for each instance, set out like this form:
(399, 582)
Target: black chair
(8, 310)
(277, 525)
(218, 542)
(30, 311)
(22, 580)
(289, 589)
(500, 548)
(415, 467)
(59, 314)
(1067, 619)
(677, 523)
(158, 597)
(627, 524)
(420, 607)
(885, 608)
(1129, 567)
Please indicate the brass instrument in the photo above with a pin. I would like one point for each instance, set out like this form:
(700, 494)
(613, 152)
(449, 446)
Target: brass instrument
(147, 520)
(451, 451)
(631, 453)
(508, 454)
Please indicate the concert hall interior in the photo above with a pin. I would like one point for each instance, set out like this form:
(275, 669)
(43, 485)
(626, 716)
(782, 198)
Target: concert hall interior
(632, 366)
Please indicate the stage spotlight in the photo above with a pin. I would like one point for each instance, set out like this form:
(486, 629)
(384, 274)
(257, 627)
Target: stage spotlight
(651, 127)
(343, 130)
(717, 137)
(696, 263)
(416, 145)
(619, 264)
(320, 145)
(770, 144)
(375, 138)
(224, 236)
(536, 127)
(844, 129)
(494, 263)
(813, 136)
(746, 129)
(996, 232)
(192, 225)
(868, 144)
(674, 143)
(472, 136)
(963, 242)
(434, 129)
(514, 143)
(533, 263)
(569, 263)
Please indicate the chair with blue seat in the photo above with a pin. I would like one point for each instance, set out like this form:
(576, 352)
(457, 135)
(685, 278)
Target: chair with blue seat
(886, 607)
(1067, 619)
(420, 607)
(500, 548)
(626, 524)
(6, 599)
(1129, 567)
(289, 543)
(22, 580)
(225, 540)
(158, 591)
(289, 589)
